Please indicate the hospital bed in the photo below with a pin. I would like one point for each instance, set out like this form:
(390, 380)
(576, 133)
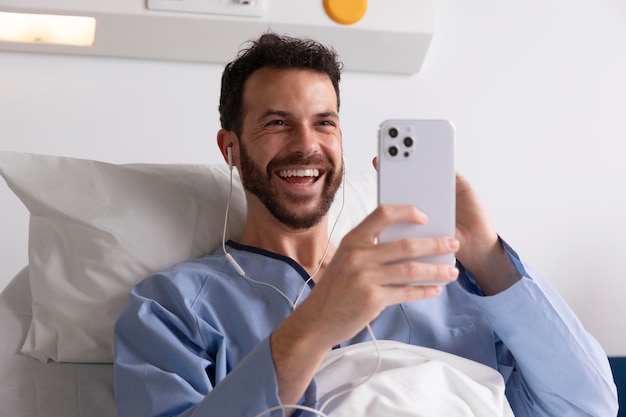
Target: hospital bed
(96, 229)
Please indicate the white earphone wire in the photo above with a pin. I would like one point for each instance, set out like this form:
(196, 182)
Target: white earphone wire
(332, 230)
(242, 272)
(293, 304)
(230, 258)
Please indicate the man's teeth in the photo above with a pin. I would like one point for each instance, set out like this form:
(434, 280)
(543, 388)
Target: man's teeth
(299, 173)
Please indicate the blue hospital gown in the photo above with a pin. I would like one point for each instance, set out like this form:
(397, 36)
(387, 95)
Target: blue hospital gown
(193, 340)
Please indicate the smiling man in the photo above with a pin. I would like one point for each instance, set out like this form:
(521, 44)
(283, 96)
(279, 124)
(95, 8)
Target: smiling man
(299, 186)
(244, 329)
(288, 152)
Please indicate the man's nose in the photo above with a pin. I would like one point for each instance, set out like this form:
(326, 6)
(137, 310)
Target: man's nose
(304, 139)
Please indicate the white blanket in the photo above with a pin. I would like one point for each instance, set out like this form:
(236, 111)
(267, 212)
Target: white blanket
(412, 381)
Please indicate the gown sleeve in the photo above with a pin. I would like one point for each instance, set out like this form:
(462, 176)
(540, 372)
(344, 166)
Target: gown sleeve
(170, 363)
(552, 365)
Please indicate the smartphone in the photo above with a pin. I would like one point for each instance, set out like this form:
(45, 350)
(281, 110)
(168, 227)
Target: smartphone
(416, 167)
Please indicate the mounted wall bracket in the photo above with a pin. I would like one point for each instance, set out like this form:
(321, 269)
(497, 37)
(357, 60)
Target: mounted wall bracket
(393, 36)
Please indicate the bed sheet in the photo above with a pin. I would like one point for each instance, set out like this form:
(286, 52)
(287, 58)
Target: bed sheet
(31, 388)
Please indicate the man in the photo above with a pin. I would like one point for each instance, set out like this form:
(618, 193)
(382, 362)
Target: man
(219, 335)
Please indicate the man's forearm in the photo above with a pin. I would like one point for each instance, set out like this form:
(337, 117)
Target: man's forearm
(297, 354)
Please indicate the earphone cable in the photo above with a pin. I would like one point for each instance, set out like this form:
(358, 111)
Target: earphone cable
(332, 230)
(230, 258)
(293, 304)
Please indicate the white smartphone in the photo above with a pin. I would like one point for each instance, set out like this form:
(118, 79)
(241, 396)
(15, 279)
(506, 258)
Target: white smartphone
(416, 167)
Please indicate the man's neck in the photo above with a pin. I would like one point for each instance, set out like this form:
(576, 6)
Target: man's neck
(307, 247)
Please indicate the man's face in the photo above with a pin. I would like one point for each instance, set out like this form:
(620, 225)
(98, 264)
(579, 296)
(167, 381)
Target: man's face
(290, 145)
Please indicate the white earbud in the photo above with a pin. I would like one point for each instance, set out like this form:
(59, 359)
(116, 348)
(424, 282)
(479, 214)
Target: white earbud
(230, 157)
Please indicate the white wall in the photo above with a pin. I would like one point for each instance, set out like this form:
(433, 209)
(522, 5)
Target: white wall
(536, 90)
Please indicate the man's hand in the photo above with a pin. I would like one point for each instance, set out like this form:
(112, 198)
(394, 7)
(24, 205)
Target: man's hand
(473, 225)
(481, 252)
(361, 279)
(354, 288)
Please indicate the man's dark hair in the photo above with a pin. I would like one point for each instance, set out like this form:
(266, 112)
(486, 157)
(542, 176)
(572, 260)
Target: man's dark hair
(276, 52)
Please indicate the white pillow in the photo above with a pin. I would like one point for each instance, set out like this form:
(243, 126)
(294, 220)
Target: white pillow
(96, 229)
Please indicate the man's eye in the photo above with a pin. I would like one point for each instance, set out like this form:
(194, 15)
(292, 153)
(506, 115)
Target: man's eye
(277, 123)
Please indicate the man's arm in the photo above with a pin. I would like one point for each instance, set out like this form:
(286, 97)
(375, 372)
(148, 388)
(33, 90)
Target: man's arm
(168, 362)
(559, 369)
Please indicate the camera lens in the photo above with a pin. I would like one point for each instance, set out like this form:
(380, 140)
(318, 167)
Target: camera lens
(393, 151)
(393, 132)
(408, 142)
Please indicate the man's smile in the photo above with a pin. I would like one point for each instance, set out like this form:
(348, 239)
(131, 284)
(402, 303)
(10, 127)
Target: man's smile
(300, 175)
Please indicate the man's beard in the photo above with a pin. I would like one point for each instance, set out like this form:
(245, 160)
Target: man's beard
(258, 183)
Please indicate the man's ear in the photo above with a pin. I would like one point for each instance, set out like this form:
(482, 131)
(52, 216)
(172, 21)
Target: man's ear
(226, 139)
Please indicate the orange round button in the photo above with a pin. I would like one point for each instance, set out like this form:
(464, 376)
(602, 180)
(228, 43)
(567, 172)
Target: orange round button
(345, 12)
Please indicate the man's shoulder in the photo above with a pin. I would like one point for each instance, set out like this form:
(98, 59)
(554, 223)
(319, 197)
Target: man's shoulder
(186, 277)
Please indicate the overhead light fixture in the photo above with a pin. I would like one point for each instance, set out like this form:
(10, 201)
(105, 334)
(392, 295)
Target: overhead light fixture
(391, 36)
(47, 28)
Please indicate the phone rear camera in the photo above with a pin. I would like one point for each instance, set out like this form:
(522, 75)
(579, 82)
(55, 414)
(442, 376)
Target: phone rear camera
(393, 151)
(408, 142)
(393, 132)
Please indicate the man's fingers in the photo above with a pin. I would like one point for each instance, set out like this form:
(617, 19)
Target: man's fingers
(411, 248)
(415, 273)
(382, 217)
